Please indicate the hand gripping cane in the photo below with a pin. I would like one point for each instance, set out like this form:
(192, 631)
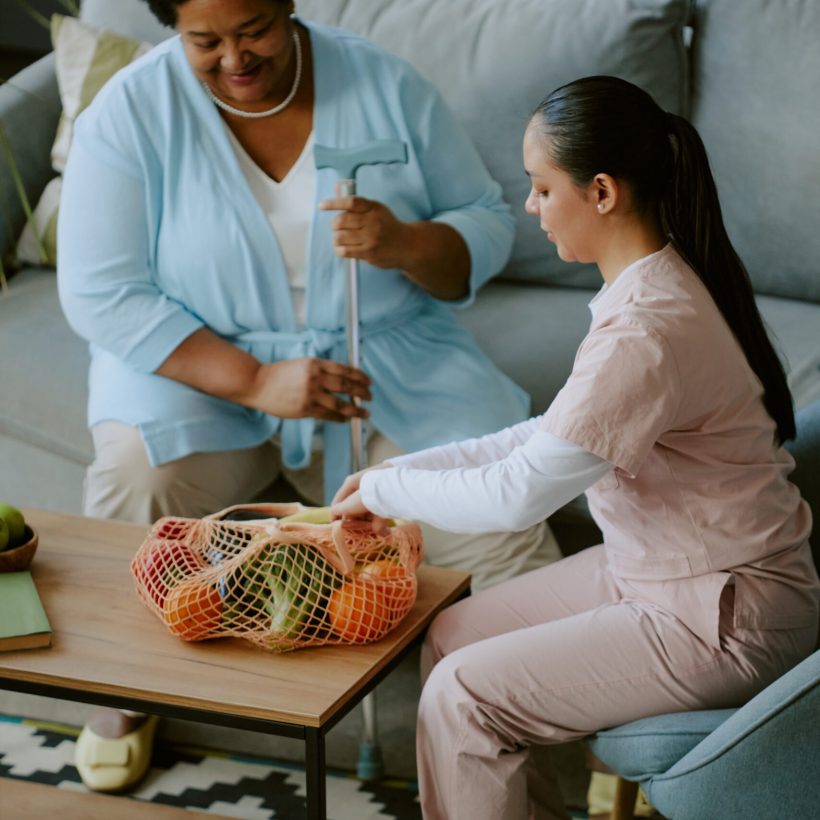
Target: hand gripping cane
(346, 161)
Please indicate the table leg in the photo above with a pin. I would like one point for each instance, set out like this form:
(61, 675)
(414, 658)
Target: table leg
(315, 774)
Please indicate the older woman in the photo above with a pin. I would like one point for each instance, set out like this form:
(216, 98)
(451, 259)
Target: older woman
(197, 255)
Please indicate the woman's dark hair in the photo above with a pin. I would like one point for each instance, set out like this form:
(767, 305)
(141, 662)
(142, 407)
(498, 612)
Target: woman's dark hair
(166, 10)
(607, 125)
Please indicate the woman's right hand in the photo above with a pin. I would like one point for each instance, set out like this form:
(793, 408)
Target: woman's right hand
(351, 484)
(308, 387)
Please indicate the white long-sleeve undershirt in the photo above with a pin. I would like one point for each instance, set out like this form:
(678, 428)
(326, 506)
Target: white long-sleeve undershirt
(506, 481)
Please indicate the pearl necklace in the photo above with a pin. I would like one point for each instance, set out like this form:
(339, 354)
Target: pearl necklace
(253, 115)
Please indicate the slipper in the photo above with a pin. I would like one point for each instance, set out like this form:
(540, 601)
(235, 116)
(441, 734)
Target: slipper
(115, 764)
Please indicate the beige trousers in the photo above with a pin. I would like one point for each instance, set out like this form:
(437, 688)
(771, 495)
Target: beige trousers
(121, 484)
(555, 655)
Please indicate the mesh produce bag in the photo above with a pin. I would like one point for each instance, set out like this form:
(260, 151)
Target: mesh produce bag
(286, 581)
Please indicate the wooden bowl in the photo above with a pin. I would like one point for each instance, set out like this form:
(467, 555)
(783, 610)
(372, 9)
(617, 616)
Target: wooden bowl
(18, 558)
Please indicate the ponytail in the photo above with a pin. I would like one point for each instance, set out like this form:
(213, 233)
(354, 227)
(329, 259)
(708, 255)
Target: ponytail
(690, 214)
(607, 125)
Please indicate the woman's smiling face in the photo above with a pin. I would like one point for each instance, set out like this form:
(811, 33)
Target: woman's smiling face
(567, 213)
(242, 49)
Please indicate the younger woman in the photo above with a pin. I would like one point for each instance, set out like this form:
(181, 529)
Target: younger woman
(672, 421)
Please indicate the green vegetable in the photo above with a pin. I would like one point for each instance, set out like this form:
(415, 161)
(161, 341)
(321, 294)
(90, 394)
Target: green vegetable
(290, 581)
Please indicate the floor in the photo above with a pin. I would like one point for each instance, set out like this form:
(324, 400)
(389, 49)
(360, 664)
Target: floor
(205, 780)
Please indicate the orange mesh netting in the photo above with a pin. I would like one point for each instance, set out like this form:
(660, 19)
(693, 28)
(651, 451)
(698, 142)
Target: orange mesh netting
(284, 582)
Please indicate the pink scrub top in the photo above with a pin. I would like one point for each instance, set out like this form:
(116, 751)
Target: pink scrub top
(700, 495)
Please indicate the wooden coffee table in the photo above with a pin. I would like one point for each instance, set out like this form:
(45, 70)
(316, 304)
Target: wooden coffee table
(108, 649)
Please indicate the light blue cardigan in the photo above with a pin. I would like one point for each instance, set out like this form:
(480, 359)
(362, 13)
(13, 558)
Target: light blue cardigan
(159, 234)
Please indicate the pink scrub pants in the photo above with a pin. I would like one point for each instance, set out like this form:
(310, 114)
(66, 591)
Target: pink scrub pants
(554, 655)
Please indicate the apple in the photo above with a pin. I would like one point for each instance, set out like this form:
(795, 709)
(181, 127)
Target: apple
(15, 523)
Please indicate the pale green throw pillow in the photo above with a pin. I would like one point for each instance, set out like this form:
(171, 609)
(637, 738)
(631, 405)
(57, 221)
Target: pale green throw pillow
(86, 57)
(45, 222)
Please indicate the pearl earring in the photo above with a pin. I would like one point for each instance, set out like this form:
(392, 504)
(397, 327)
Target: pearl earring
(600, 206)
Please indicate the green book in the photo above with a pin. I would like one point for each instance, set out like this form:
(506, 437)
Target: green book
(23, 621)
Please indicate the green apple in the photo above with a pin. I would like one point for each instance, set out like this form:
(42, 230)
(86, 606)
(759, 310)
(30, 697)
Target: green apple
(4, 535)
(15, 522)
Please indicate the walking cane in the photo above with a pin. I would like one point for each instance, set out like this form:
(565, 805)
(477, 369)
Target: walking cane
(346, 161)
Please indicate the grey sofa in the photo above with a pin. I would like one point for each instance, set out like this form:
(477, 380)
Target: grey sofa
(745, 73)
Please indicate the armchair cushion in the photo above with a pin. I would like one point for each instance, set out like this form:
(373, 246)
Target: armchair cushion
(761, 762)
(732, 759)
(653, 745)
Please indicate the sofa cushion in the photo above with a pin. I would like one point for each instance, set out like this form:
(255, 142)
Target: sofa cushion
(806, 451)
(132, 18)
(793, 327)
(45, 388)
(86, 57)
(541, 44)
(755, 105)
(532, 333)
(37, 244)
(29, 112)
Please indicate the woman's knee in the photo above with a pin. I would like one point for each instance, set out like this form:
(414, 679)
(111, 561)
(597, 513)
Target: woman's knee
(448, 632)
(442, 696)
(115, 481)
(458, 697)
(122, 483)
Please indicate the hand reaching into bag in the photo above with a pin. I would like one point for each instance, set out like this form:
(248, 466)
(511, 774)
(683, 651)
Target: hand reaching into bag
(347, 503)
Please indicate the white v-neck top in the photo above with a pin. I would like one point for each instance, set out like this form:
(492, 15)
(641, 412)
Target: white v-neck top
(288, 204)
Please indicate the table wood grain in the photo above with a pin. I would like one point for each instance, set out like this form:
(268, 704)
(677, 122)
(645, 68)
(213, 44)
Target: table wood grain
(22, 798)
(107, 642)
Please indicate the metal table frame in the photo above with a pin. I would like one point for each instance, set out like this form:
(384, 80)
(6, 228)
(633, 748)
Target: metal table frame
(314, 737)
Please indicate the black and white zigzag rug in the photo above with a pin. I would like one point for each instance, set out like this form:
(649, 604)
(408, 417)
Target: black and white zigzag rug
(205, 780)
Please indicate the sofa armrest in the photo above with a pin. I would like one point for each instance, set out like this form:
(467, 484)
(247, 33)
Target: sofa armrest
(29, 112)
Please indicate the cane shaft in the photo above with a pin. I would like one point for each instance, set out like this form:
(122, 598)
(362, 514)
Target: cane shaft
(347, 187)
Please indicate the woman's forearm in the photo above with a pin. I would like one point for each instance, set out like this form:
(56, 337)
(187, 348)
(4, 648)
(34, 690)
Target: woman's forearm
(471, 452)
(511, 494)
(210, 364)
(436, 259)
(290, 388)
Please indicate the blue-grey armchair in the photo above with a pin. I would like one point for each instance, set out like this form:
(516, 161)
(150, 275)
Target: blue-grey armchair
(758, 762)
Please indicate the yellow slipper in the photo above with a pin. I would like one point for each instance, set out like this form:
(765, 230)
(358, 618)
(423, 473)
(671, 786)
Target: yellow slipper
(115, 764)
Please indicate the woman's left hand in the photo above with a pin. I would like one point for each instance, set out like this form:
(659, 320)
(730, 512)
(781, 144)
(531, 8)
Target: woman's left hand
(367, 230)
(432, 255)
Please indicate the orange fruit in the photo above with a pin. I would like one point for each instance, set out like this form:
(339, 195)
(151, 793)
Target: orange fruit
(397, 584)
(383, 569)
(193, 611)
(359, 611)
